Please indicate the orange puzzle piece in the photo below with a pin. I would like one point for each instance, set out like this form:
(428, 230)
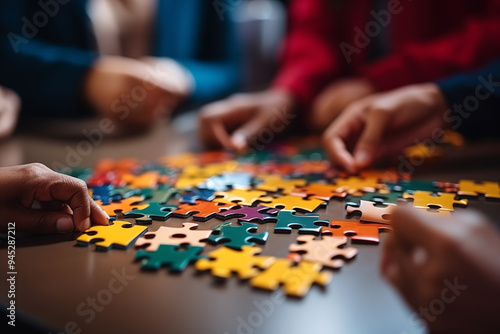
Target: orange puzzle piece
(124, 205)
(201, 210)
(358, 231)
(322, 191)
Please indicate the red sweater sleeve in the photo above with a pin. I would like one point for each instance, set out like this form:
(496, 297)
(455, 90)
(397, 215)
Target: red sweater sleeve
(470, 46)
(308, 59)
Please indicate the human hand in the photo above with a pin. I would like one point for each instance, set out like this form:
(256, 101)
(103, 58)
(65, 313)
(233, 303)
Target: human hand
(335, 98)
(237, 122)
(131, 91)
(9, 112)
(65, 203)
(381, 125)
(447, 269)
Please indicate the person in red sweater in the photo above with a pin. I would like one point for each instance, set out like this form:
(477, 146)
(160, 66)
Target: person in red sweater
(338, 51)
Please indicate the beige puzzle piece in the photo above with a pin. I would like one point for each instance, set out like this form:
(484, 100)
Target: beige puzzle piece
(185, 235)
(372, 213)
(426, 199)
(324, 251)
(472, 188)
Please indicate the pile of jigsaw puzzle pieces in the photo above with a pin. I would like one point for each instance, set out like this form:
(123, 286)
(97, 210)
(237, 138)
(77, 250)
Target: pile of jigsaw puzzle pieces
(285, 186)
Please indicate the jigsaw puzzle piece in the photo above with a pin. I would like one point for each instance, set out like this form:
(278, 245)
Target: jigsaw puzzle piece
(119, 234)
(225, 261)
(123, 205)
(355, 184)
(247, 213)
(387, 198)
(296, 279)
(426, 199)
(236, 237)
(275, 183)
(358, 231)
(152, 211)
(201, 210)
(188, 234)
(289, 202)
(325, 251)
(104, 193)
(150, 179)
(198, 194)
(162, 194)
(227, 181)
(322, 191)
(372, 213)
(420, 185)
(308, 223)
(175, 257)
(239, 196)
(474, 189)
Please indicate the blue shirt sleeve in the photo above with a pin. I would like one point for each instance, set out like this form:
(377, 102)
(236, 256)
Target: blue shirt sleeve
(48, 76)
(474, 101)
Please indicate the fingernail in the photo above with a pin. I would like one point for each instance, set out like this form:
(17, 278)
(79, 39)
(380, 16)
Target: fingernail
(64, 225)
(239, 141)
(362, 158)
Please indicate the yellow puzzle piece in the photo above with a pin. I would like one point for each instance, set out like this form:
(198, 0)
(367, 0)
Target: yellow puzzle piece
(425, 199)
(275, 183)
(296, 280)
(119, 234)
(225, 261)
(289, 202)
(242, 196)
(471, 188)
(354, 184)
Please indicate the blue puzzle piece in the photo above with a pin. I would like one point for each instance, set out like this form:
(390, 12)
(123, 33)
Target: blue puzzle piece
(198, 194)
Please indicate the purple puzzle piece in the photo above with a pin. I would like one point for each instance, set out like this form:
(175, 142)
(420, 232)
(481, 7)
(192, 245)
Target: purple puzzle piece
(247, 213)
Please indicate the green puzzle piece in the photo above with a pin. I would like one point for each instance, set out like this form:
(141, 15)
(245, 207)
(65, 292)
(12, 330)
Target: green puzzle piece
(177, 258)
(237, 236)
(308, 223)
(413, 185)
(390, 198)
(154, 210)
(160, 195)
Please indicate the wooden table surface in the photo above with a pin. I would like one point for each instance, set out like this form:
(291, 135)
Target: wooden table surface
(57, 282)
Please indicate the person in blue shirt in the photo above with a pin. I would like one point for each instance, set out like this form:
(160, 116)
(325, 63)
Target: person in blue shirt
(130, 60)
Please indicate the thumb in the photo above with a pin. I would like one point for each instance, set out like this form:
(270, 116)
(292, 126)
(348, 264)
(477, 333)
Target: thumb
(242, 137)
(369, 142)
(45, 222)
